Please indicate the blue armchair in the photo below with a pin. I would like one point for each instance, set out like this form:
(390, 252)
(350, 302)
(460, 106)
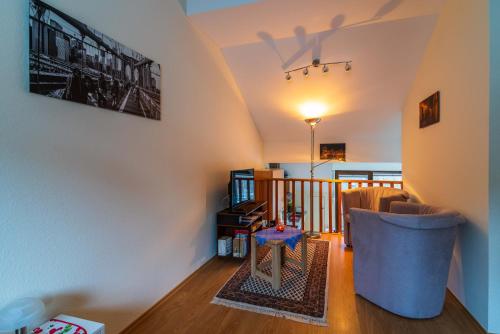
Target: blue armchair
(402, 258)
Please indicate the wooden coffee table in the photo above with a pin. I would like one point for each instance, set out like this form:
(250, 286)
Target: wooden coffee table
(278, 259)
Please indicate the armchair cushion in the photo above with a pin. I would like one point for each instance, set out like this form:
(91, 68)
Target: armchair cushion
(385, 202)
(371, 198)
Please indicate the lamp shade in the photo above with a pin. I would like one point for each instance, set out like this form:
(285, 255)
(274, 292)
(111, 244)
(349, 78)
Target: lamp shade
(312, 121)
(21, 313)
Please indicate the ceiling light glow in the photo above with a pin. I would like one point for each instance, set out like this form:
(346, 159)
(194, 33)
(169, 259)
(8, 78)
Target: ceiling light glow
(313, 109)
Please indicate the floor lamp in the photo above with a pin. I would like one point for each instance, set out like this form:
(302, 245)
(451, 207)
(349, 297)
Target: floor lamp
(312, 122)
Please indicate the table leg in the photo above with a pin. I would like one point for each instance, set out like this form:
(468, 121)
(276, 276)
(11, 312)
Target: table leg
(283, 254)
(276, 263)
(253, 255)
(304, 254)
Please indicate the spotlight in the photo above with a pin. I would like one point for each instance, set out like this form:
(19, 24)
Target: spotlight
(325, 68)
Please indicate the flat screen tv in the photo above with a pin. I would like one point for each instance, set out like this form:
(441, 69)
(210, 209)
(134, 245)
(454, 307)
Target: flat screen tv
(242, 187)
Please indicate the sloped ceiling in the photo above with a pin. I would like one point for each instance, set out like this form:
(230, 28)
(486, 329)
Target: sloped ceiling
(384, 39)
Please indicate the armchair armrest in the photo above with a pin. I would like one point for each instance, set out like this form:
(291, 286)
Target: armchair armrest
(444, 219)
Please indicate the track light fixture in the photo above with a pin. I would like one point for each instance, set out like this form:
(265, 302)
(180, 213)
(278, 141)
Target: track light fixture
(317, 63)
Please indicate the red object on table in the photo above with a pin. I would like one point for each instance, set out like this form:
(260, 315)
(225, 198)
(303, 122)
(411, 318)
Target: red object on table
(280, 228)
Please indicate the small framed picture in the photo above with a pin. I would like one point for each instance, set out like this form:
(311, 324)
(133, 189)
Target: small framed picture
(332, 152)
(430, 110)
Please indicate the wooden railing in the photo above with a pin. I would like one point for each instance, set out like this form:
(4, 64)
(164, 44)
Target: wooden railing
(291, 200)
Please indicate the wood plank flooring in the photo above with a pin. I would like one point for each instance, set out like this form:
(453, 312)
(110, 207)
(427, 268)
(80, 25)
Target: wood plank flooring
(188, 308)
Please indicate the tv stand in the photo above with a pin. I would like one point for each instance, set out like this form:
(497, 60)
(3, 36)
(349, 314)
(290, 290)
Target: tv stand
(249, 207)
(247, 217)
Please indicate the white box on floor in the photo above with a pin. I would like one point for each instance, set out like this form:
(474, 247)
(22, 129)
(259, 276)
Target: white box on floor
(69, 325)
(225, 246)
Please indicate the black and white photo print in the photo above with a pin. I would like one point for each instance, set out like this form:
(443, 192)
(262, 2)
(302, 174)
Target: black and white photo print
(71, 61)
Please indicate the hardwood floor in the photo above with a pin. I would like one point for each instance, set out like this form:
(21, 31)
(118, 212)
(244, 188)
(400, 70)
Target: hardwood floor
(188, 308)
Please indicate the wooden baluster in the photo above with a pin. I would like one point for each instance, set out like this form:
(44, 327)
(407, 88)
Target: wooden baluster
(271, 199)
(293, 203)
(276, 213)
(302, 223)
(329, 207)
(320, 206)
(264, 185)
(349, 185)
(311, 205)
(360, 184)
(285, 202)
(338, 222)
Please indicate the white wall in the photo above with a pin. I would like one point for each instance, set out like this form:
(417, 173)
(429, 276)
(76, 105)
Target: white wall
(494, 222)
(101, 213)
(447, 164)
(360, 148)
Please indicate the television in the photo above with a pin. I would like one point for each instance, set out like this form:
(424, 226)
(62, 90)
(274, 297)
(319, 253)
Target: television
(241, 187)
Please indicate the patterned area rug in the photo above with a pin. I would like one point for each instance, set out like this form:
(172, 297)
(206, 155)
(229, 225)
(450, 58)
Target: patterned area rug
(301, 297)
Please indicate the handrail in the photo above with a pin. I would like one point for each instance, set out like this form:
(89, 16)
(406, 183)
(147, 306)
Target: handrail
(336, 181)
(325, 180)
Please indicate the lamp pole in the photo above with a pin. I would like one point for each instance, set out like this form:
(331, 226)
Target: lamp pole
(312, 124)
(312, 151)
